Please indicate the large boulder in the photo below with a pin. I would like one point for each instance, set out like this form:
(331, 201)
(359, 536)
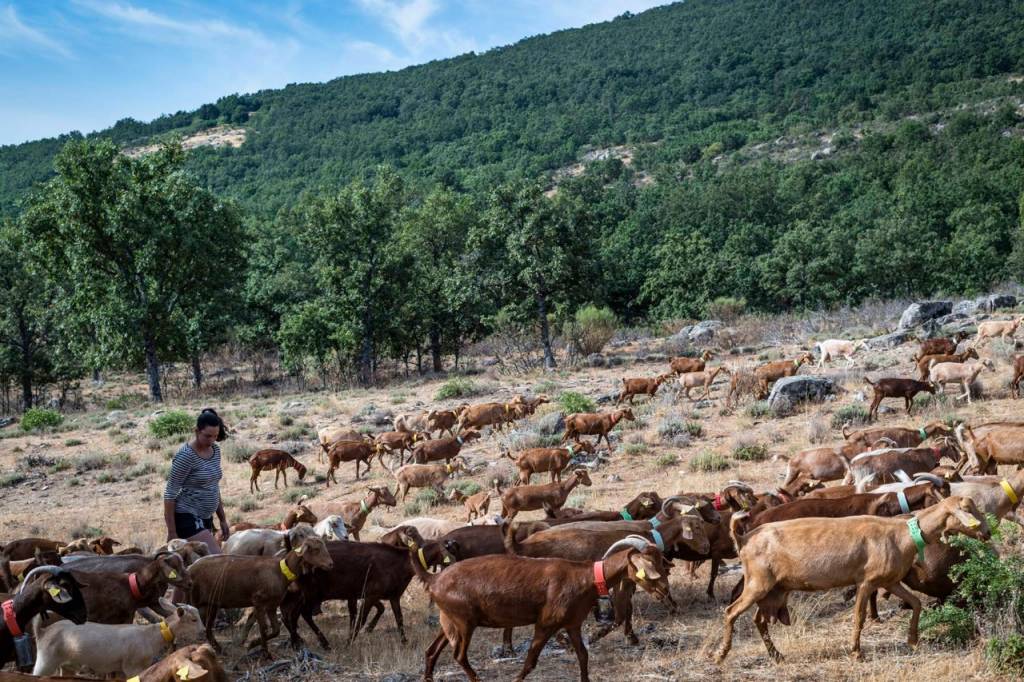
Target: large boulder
(704, 332)
(888, 341)
(789, 391)
(951, 318)
(919, 313)
(965, 308)
(550, 424)
(996, 301)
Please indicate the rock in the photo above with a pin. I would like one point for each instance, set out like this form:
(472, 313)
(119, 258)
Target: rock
(656, 357)
(704, 332)
(613, 478)
(965, 308)
(885, 409)
(996, 301)
(859, 397)
(551, 424)
(616, 360)
(892, 340)
(684, 333)
(596, 360)
(952, 317)
(607, 398)
(381, 417)
(918, 313)
(800, 388)
(491, 362)
(357, 419)
(702, 404)
(114, 415)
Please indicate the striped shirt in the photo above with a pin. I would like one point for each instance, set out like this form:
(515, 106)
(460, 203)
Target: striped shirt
(194, 482)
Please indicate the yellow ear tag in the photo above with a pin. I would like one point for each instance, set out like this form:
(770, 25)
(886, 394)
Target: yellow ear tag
(640, 574)
(300, 549)
(973, 522)
(172, 574)
(409, 543)
(54, 592)
(646, 502)
(182, 672)
(133, 679)
(447, 559)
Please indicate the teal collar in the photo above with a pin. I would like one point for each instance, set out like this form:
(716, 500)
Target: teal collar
(626, 516)
(658, 540)
(363, 507)
(915, 535)
(922, 433)
(655, 522)
(904, 505)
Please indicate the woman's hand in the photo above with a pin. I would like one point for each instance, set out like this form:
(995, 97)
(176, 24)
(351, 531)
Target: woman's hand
(171, 535)
(224, 533)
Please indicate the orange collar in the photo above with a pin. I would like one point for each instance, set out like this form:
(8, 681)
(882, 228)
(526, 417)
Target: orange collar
(12, 622)
(133, 585)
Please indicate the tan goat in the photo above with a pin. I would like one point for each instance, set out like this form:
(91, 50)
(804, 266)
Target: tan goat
(770, 372)
(833, 348)
(816, 554)
(591, 424)
(426, 476)
(943, 373)
(990, 329)
(533, 497)
(705, 379)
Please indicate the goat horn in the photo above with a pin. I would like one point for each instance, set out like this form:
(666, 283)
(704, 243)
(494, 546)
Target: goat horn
(667, 502)
(902, 475)
(931, 478)
(637, 542)
(740, 484)
(52, 570)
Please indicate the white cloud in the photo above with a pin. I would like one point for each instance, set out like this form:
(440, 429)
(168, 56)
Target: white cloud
(579, 13)
(13, 31)
(410, 22)
(159, 27)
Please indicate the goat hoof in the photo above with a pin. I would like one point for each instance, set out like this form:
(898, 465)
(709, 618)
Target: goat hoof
(857, 655)
(632, 639)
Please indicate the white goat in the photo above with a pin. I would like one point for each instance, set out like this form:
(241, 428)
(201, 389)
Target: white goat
(266, 541)
(331, 528)
(124, 650)
(431, 529)
(831, 349)
(943, 373)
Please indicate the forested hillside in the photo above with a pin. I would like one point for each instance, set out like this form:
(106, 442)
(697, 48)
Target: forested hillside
(792, 154)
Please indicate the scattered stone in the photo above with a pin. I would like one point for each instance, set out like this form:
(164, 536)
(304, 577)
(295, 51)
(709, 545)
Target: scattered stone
(702, 404)
(919, 313)
(886, 341)
(115, 415)
(949, 319)
(965, 308)
(551, 424)
(996, 301)
(800, 388)
(704, 332)
(607, 398)
(612, 478)
(616, 360)
(885, 409)
(859, 397)
(596, 360)
(382, 417)
(491, 362)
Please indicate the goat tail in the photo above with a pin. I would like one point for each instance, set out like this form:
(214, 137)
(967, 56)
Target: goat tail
(736, 532)
(846, 430)
(508, 537)
(868, 381)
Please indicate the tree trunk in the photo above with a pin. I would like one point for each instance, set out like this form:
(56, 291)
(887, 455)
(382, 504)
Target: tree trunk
(152, 368)
(366, 361)
(197, 371)
(26, 388)
(435, 349)
(95, 375)
(545, 332)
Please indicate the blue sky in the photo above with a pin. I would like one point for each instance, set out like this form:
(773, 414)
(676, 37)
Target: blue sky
(83, 64)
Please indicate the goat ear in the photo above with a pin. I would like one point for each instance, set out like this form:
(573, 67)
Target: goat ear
(190, 671)
(181, 612)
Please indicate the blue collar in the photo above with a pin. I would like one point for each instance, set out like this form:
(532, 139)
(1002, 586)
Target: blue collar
(655, 522)
(902, 497)
(658, 540)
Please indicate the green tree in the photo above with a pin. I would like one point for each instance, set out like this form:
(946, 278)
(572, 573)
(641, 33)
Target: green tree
(140, 243)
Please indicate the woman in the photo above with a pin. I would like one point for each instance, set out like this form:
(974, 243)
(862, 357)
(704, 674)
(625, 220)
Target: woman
(192, 494)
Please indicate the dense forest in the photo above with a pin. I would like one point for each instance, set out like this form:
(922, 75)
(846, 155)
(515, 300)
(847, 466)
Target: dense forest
(791, 154)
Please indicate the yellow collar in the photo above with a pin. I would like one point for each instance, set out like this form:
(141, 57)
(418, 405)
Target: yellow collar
(287, 572)
(423, 560)
(165, 631)
(1009, 491)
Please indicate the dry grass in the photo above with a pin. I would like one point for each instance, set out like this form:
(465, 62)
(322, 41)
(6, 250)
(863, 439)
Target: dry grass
(658, 457)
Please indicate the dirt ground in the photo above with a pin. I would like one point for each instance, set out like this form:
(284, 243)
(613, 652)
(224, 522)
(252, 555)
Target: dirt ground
(103, 471)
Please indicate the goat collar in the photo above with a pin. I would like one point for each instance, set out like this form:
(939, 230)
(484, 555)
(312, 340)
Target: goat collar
(459, 440)
(655, 522)
(12, 622)
(599, 583)
(568, 448)
(783, 495)
(658, 540)
(717, 502)
(166, 633)
(363, 507)
(924, 434)
(133, 585)
(423, 560)
(938, 454)
(626, 516)
(1008, 489)
(915, 535)
(287, 572)
(904, 505)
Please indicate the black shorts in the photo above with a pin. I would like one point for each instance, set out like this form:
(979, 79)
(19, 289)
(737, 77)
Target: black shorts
(187, 525)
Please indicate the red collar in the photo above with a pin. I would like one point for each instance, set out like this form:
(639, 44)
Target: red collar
(938, 454)
(133, 584)
(599, 583)
(784, 496)
(717, 502)
(12, 623)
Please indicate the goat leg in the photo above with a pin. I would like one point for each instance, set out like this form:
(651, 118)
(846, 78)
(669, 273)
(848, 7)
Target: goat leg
(433, 651)
(581, 651)
(378, 611)
(396, 609)
(762, 629)
(541, 635)
(908, 597)
(716, 563)
(211, 618)
(860, 606)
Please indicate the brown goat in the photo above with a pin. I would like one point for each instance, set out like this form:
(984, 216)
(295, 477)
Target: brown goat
(704, 379)
(896, 388)
(239, 581)
(442, 421)
(195, 662)
(988, 445)
(300, 513)
(939, 346)
(1004, 329)
(478, 416)
(896, 436)
(591, 424)
(531, 497)
(103, 545)
(635, 387)
(25, 548)
(349, 451)
(770, 372)
(550, 594)
(926, 360)
(875, 467)
(397, 441)
(355, 513)
(821, 554)
(554, 460)
(425, 476)
(1018, 374)
(682, 365)
(445, 449)
(330, 435)
(114, 597)
(830, 463)
(277, 460)
(477, 504)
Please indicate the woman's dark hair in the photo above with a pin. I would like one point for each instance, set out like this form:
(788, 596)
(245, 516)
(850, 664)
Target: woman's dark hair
(209, 417)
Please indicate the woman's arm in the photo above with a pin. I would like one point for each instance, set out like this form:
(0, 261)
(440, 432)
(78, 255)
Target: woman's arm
(225, 532)
(169, 520)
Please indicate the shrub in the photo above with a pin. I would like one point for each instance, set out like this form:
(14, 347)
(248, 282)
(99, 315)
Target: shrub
(125, 401)
(759, 409)
(285, 420)
(91, 462)
(591, 329)
(413, 509)
(572, 402)
(295, 494)
(695, 429)
(818, 431)
(173, 423)
(855, 414)
(709, 461)
(249, 506)
(12, 479)
(636, 449)
(667, 460)
(138, 470)
(40, 418)
(428, 497)
(467, 487)
(72, 442)
(726, 308)
(947, 624)
(84, 531)
(456, 387)
(751, 453)
(1006, 654)
(106, 477)
(237, 451)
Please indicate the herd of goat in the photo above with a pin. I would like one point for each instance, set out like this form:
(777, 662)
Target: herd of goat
(899, 491)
